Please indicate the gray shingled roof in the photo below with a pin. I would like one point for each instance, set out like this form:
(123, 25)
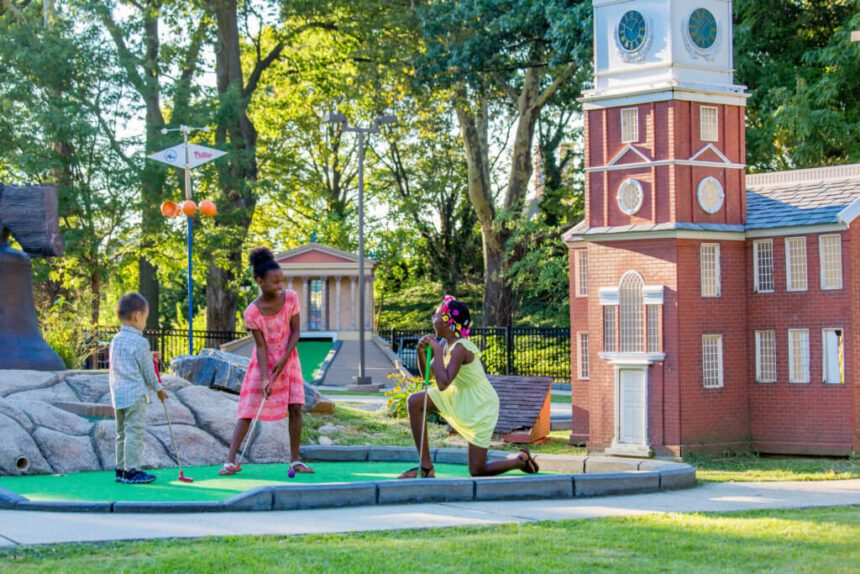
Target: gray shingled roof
(780, 199)
(802, 203)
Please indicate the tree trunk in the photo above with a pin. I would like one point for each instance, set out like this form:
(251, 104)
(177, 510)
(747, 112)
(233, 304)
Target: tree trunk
(238, 174)
(498, 296)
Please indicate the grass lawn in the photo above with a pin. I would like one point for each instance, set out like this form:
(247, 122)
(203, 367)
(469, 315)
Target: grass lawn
(375, 428)
(750, 467)
(354, 393)
(811, 540)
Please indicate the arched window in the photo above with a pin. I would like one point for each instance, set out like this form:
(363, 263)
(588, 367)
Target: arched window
(631, 311)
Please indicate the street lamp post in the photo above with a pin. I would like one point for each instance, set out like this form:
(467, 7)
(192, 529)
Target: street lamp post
(338, 118)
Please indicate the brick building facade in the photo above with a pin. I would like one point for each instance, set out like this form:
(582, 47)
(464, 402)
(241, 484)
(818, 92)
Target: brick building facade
(710, 309)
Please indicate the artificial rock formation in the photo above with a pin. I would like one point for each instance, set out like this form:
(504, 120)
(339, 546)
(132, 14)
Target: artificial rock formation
(63, 422)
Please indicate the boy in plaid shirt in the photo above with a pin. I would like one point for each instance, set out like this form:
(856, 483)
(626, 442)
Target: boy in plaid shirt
(131, 372)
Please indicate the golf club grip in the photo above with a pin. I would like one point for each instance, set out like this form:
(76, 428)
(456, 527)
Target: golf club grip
(429, 355)
(157, 372)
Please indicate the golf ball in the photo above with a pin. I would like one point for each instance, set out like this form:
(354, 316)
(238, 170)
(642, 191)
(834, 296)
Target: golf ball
(292, 473)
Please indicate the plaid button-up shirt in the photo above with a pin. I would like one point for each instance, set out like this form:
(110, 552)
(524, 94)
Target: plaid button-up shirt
(131, 368)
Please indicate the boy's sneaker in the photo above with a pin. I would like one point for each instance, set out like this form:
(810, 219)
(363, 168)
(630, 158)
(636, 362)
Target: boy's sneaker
(135, 476)
(120, 475)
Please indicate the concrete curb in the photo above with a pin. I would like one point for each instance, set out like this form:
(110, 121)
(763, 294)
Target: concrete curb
(390, 355)
(9, 499)
(327, 362)
(581, 476)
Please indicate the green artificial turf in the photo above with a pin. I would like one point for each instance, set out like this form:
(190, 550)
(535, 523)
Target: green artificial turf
(207, 485)
(312, 353)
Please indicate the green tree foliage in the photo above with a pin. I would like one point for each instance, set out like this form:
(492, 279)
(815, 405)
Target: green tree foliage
(59, 103)
(797, 59)
(509, 58)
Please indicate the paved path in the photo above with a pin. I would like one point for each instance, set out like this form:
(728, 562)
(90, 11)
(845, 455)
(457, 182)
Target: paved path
(21, 527)
(345, 365)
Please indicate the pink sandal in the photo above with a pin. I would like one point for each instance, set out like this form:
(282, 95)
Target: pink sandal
(229, 469)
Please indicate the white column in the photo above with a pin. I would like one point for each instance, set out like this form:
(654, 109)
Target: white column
(337, 303)
(290, 283)
(304, 304)
(353, 307)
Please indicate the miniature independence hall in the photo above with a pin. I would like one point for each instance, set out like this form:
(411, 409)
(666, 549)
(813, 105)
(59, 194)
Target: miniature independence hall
(709, 309)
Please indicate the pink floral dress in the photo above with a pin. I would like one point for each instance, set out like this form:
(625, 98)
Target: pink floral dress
(289, 387)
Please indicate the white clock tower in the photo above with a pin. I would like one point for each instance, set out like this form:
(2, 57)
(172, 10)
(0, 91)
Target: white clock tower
(645, 48)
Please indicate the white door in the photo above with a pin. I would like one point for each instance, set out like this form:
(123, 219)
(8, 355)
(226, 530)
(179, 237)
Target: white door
(632, 407)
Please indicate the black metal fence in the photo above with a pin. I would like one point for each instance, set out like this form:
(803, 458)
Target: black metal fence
(526, 351)
(169, 342)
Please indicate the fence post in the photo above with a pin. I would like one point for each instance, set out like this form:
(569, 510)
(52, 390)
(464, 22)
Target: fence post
(509, 349)
(161, 349)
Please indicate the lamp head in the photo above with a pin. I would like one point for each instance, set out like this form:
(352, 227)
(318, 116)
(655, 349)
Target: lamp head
(385, 119)
(336, 118)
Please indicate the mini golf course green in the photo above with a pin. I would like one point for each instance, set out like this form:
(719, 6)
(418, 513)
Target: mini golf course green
(207, 485)
(312, 353)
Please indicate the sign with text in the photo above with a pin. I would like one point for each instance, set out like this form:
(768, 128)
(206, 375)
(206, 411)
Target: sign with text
(197, 155)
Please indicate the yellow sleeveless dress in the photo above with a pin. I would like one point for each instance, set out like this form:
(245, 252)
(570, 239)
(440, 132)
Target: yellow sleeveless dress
(470, 403)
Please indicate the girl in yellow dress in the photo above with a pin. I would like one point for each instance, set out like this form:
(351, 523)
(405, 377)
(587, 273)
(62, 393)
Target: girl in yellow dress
(464, 397)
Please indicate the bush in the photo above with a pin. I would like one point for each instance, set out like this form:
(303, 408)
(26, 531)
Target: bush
(399, 395)
(67, 329)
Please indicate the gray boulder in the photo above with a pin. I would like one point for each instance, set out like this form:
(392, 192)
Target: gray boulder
(226, 371)
(66, 453)
(212, 368)
(18, 443)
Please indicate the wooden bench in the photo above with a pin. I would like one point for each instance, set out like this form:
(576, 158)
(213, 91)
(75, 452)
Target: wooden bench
(524, 407)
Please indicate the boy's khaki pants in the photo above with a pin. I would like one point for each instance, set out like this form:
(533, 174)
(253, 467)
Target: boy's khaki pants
(130, 430)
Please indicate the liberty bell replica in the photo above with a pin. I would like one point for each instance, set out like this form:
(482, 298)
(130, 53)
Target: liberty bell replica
(29, 214)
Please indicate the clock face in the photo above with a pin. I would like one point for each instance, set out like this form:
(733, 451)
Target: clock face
(702, 28)
(632, 31)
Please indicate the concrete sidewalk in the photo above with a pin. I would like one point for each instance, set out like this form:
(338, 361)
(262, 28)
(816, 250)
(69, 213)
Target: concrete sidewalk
(25, 528)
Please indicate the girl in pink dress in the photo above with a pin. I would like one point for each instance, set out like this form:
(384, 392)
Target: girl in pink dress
(273, 319)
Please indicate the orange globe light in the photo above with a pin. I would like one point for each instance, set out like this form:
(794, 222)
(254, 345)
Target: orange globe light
(208, 208)
(169, 209)
(189, 208)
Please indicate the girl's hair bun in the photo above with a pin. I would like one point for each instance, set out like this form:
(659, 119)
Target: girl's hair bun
(262, 260)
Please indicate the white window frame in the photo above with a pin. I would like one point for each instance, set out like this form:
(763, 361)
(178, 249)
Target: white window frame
(837, 260)
(610, 328)
(581, 270)
(653, 343)
(629, 125)
(631, 313)
(841, 351)
(756, 275)
(709, 132)
(804, 378)
(789, 284)
(719, 351)
(582, 356)
(717, 289)
(759, 358)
